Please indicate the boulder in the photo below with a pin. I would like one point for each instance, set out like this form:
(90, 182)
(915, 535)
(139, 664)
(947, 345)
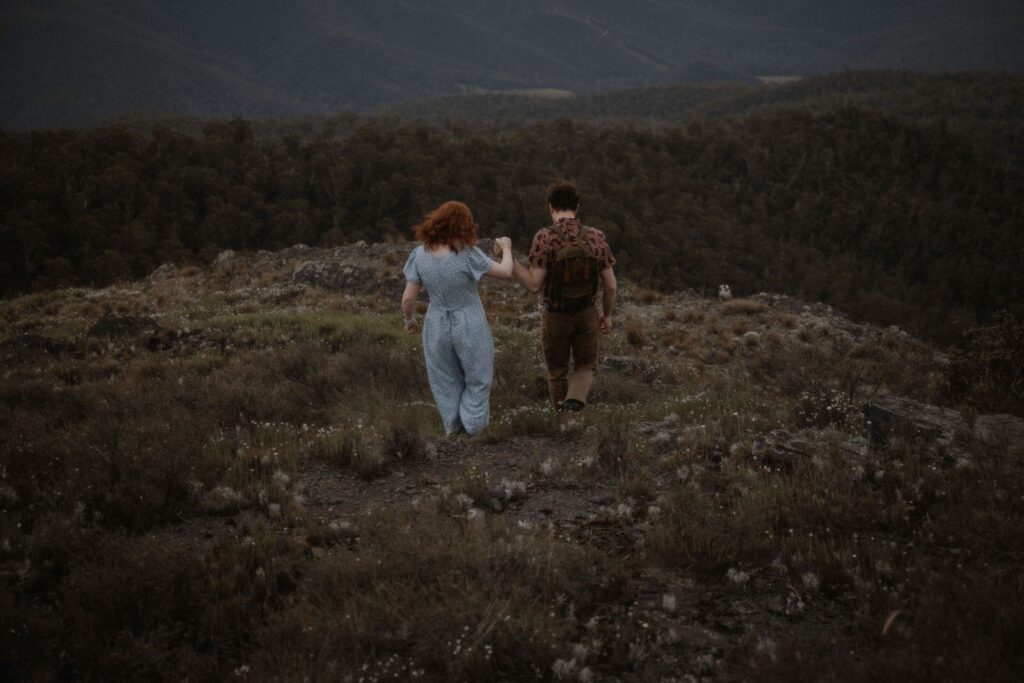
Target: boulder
(1005, 431)
(887, 416)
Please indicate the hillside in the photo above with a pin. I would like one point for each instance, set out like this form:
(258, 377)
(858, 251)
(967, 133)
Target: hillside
(235, 470)
(66, 62)
(906, 220)
(975, 98)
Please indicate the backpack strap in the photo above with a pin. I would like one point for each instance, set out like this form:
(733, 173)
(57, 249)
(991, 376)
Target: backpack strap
(582, 238)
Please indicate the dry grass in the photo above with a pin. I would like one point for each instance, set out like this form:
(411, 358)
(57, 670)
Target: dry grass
(152, 525)
(633, 328)
(742, 307)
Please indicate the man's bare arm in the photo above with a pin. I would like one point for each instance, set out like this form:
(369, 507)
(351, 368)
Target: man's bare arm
(532, 278)
(611, 288)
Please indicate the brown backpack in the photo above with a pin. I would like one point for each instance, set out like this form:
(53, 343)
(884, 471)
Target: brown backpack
(572, 279)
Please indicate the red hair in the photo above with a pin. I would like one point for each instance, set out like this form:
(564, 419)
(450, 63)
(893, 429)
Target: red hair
(450, 224)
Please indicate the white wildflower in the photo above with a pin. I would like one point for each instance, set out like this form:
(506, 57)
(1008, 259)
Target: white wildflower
(512, 489)
(564, 669)
(737, 576)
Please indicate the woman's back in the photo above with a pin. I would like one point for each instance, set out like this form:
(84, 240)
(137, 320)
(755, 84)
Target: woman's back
(450, 277)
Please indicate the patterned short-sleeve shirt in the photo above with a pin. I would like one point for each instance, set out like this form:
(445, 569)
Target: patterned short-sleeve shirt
(546, 243)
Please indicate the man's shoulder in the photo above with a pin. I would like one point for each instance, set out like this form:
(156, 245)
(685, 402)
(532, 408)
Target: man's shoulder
(596, 234)
(544, 235)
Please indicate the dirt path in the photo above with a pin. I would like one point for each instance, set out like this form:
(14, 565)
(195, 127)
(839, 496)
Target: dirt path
(694, 627)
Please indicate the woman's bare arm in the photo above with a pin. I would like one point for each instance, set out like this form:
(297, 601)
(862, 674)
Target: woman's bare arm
(504, 268)
(412, 291)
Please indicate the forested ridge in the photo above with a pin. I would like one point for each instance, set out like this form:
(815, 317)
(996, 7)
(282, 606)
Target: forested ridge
(986, 107)
(892, 220)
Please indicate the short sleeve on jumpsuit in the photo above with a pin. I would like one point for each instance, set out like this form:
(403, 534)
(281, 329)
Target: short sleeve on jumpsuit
(479, 263)
(411, 274)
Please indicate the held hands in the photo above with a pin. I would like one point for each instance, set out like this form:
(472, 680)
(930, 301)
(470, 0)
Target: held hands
(604, 324)
(501, 245)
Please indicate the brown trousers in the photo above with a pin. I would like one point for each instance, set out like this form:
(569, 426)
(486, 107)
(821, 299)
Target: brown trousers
(566, 336)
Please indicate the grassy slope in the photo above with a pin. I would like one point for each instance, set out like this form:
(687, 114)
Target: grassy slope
(259, 488)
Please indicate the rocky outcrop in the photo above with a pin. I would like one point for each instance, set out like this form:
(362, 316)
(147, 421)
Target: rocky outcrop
(780, 449)
(888, 416)
(999, 430)
(338, 276)
(893, 416)
(225, 257)
(164, 272)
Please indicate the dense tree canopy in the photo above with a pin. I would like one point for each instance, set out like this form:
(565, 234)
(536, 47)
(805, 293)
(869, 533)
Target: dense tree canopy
(889, 220)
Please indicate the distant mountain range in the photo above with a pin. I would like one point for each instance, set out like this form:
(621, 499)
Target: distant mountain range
(69, 62)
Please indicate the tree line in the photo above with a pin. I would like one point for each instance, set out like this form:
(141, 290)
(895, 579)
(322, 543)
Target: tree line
(891, 221)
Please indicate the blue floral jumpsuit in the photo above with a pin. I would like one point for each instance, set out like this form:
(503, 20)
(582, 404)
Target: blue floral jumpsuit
(457, 343)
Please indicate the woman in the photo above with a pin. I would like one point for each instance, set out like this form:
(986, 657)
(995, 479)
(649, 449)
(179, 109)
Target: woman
(457, 341)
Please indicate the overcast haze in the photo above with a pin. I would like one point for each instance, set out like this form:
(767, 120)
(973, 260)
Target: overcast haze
(67, 62)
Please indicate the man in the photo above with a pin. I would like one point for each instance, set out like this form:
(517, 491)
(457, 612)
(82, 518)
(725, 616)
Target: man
(570, 262)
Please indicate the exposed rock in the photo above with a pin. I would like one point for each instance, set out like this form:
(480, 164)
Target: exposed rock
(999, 430)
(117, 325)
(889, 415)
(164, 272)
(294, 251)
(779, 448)
(338, 276)
(617, 363)
(224, 257)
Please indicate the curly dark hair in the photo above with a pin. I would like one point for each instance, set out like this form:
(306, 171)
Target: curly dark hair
(563, 195)
(450, 224)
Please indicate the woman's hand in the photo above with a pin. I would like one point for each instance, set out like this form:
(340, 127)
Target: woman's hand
(501, 245)
(412, 327)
